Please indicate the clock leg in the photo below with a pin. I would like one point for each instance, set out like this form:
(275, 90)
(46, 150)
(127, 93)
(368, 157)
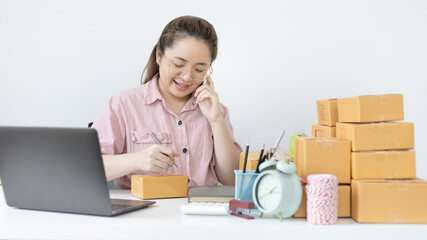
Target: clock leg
(280, 216)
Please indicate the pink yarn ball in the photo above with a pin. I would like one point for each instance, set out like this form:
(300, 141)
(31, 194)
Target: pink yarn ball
(322, 199)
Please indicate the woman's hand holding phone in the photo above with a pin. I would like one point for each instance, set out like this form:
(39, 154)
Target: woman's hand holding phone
(208, 101)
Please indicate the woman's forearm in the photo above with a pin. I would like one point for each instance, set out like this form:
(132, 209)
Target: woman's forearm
(118, 165)
(226, 153)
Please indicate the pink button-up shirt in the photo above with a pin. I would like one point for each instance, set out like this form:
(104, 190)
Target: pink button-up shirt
(124, 124)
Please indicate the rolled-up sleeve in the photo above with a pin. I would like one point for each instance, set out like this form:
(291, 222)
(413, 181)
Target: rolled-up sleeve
(111, 128)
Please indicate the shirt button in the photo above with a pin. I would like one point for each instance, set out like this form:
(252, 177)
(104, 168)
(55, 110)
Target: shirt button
(180, 122)
(185, 150)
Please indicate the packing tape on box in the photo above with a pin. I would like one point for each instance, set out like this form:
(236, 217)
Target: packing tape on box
(325, 143)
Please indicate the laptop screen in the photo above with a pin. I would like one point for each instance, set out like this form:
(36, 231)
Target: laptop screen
(55, 169)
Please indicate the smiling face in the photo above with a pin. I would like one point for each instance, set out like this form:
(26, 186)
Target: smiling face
(192, 56)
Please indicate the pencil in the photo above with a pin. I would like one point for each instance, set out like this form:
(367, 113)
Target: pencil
(260, 159)
(242, 190)
(158, 142)
(246, 157)
(247, 193)
(267, 156)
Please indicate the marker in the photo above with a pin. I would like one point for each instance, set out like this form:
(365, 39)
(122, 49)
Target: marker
(158, 142)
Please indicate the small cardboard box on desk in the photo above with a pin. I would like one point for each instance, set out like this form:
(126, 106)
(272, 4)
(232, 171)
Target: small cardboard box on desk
(152, 187)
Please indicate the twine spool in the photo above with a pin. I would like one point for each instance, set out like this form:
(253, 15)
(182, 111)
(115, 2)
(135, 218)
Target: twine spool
(322, 199)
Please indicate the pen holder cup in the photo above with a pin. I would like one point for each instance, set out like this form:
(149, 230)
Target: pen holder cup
(244, 185)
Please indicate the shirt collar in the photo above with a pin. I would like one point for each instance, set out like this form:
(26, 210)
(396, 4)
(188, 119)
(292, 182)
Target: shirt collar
(190, 105)
(152, 94)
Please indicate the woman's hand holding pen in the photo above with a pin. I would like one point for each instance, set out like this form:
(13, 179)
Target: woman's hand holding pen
(208, 101)
(155, 158)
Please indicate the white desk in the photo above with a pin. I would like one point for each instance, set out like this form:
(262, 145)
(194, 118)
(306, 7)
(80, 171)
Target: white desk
(165, 221)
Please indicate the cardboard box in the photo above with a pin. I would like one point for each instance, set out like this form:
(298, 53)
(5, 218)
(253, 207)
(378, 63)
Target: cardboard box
(252, 161)
(149, 187)
(377, 136)
(343, 202)
(327, 112)
(318, 130)
(373, 108)
(389, 201)
(322, 155)
(383, 164)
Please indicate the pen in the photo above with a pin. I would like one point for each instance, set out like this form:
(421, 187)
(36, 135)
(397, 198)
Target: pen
(158, 142)
(277, 143)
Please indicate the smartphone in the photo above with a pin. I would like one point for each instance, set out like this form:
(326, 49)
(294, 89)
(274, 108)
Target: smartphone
(205, 80)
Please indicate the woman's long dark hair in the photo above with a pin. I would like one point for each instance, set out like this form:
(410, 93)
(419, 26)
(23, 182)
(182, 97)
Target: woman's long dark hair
(185, 26)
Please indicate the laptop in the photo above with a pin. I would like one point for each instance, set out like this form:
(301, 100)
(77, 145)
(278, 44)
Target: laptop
(57, 169)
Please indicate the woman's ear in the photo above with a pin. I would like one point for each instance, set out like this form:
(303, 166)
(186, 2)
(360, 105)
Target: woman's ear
(158, 56)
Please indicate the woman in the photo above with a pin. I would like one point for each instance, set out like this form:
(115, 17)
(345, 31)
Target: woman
(178, 108)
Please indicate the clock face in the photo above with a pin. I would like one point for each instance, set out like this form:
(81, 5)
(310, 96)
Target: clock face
(269, 192)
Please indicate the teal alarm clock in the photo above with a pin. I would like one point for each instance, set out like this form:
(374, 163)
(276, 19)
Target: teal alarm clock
(277, 189)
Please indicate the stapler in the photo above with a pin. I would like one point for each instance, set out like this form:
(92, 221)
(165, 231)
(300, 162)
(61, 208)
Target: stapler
(239, 208)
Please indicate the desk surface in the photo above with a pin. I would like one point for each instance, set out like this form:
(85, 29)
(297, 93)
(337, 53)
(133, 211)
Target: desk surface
(165, 221)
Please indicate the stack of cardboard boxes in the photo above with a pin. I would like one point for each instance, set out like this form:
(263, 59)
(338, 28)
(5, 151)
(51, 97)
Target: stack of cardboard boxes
(384, 187)
(360, 140)
(324, 153)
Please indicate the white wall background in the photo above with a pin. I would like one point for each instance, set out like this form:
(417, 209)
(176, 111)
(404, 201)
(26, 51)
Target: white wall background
(61, 60)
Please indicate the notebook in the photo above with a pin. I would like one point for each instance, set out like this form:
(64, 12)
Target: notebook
(57, 169)
(218, 193)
